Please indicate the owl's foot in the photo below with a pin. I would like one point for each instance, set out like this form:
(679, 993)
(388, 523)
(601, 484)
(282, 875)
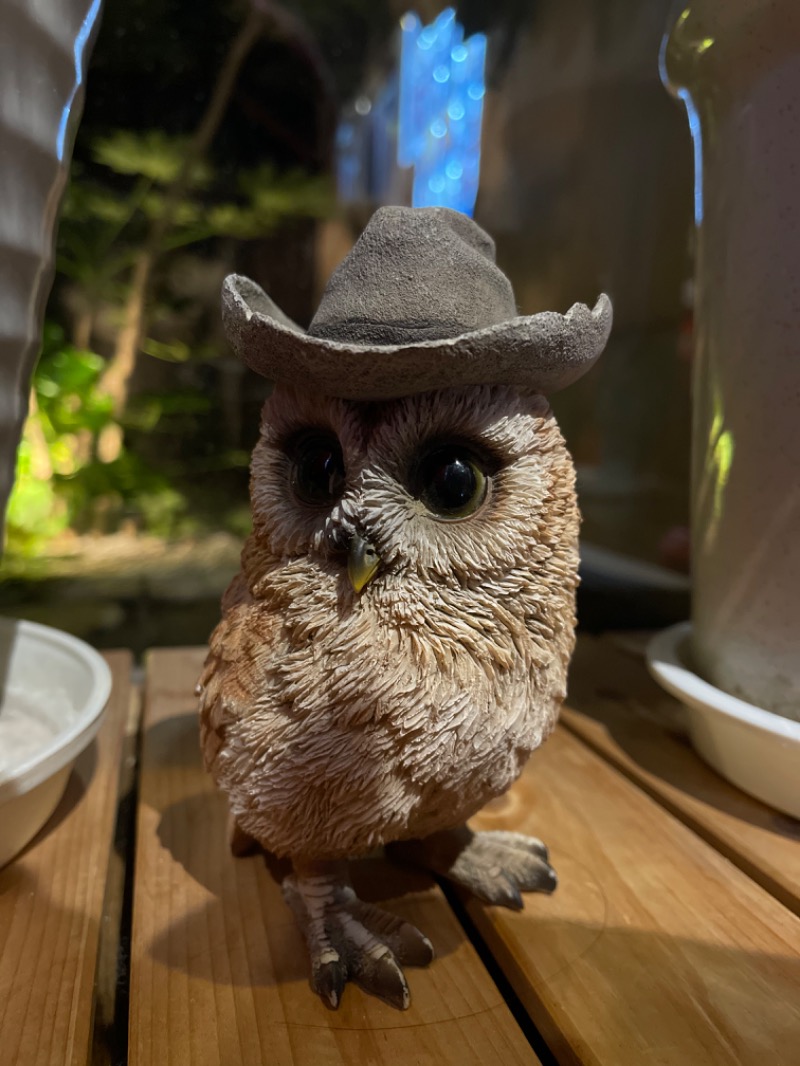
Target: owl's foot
(494, 866)
(349, 940)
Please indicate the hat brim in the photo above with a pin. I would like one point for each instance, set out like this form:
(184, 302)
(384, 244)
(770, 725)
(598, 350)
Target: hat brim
(543, 352)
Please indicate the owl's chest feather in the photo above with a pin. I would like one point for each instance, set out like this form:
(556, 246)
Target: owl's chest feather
(348, 722)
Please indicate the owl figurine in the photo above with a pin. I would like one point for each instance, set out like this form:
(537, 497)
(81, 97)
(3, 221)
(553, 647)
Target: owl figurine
(396, 643)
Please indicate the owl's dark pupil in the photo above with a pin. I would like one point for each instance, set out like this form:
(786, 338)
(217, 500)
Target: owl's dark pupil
(450, 481)
(318, 471)
(452, 484)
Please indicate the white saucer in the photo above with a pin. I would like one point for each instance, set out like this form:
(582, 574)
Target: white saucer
(53, 690)
(756, 750)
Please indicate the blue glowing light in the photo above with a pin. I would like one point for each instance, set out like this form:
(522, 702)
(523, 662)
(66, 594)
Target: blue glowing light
(697, 143)
(441, 110)
(695, 127)
(83, 35)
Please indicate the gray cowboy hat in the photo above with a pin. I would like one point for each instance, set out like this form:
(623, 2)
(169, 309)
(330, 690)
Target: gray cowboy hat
(417, 304)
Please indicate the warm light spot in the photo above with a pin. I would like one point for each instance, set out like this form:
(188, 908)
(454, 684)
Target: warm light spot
(723, 460)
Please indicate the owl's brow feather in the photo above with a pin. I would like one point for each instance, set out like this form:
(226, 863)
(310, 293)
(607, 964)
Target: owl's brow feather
(371, 413)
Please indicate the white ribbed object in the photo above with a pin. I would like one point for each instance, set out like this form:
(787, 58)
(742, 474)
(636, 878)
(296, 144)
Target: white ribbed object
(44, 49)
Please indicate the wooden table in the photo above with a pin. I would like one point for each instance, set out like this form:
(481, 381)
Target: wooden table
(128, 933)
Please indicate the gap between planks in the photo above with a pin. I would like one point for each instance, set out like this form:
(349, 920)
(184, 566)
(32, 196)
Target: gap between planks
(110, 1036)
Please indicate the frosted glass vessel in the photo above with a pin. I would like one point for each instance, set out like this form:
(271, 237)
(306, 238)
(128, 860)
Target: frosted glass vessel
(736, 66)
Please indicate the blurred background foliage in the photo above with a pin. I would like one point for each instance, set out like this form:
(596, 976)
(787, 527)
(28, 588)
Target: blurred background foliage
(205, 136)
(207, 146)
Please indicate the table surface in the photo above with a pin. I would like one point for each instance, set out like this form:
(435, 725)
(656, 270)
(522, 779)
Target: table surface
(128, 934)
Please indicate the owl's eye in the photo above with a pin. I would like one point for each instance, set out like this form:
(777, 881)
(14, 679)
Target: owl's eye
(450, 481)
(317, 471)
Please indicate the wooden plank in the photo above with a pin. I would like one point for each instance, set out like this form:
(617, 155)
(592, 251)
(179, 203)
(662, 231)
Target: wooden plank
(218, 969)
(51, 902)
(654, 948)
(616, 707)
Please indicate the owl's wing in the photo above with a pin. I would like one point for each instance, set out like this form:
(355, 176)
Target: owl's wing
(236, 594)
(229, 682)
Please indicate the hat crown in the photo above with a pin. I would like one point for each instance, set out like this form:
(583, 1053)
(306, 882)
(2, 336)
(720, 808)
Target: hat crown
(415, 274)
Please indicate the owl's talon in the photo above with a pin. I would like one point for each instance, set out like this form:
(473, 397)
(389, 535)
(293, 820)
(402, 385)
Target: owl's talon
(383, 977)
(415, 950)
(538, 847)
(507, 894)
(408, 945)
(495, 866)
(328, 981)
(348, 939)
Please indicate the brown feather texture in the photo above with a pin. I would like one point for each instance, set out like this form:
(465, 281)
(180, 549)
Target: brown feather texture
(337, 721)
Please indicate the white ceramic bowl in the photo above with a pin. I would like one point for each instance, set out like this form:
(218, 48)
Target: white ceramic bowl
(53, 691)
(755, 749)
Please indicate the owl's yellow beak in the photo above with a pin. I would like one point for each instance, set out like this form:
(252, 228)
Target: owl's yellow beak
(362, 563)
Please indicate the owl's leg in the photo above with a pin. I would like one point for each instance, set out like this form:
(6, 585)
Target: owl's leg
(351, 940)
(494, 866)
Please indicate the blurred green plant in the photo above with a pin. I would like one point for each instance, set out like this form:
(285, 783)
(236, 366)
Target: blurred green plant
(96, 455)
(159, 196)
(60, 480)
(66, 412)
(103, 224)
(35, 514)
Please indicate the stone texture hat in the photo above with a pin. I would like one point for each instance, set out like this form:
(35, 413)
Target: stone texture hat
(417, 304)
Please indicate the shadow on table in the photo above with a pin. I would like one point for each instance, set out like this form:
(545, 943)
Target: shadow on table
(247, 909)
(611, 686)
(15, 877)
(375, 878)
